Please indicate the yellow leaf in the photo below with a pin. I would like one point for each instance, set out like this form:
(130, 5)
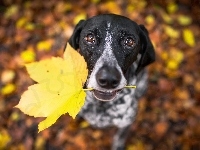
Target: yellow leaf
(72, 105)
(59, 89)
(79, 17)
(84, 124)
(28, 55)
(8, 89)
(166, 17)
(173, 58)
(164, 55)
(4, 139)
(136, 6)
(62, 7)
(184, 20)
(21, 22)
(130, 8)
(30, 26)
(172, 7)
(172, 64)
(40, 142)
(111, 7)
(139, 145)
(171, 32)
(40, 100)
(44, 45)
(150, 19)
(176, 55)
(95, 1)
(188, 37)
(12, 10)
(79, 66)
(14, 116)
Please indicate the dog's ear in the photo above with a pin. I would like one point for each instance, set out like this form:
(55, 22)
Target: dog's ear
(147, 50)
(75, 37)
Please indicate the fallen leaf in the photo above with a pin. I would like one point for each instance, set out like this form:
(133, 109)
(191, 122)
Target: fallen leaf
(7, 76)
(39, 143)
(164, 55)
(21, 22)
(181, 94)
(167, 18)
(150, 19)
(188, 37)
(171, 32)
(138, 145)
(172, 7)
(97, 134)
(12, 10)
(184, 20)
(111, 7)
(80, 141)
(81, 16)
(15, 116)
(4, 139)
(136, 6)
(62, 7)
(188, 79)
(28, 55)
(176, 55)
(44, 45)
(30, 26)
(95, 1)
(59, 89)
(84, 124)
(161, 128)
(8, 89)
(172, 59)
(197, 85)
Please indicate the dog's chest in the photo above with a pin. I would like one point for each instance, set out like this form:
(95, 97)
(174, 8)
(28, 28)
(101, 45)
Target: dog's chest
(120, 112)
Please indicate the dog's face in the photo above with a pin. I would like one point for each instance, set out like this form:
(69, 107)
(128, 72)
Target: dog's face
(110, 44)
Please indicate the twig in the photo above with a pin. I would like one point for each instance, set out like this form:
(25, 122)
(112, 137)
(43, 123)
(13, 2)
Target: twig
(128, 86)
(89, 89)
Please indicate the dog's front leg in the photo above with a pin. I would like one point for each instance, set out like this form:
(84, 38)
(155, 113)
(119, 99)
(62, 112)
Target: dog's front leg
(120, 138)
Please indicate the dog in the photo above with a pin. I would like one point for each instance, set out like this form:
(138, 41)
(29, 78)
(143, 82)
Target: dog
(116, 50)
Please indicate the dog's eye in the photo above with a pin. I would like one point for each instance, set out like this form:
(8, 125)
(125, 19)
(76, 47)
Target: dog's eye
(90, 38)
(129, 42)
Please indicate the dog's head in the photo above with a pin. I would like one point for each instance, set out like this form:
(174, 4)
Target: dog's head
(110, 44)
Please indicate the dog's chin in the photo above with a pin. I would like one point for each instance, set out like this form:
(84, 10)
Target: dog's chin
(106, 95)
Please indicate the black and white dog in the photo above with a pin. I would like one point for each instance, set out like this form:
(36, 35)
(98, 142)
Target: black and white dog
(116, 50)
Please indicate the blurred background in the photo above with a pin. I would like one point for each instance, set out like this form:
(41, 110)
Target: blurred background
(169, 114)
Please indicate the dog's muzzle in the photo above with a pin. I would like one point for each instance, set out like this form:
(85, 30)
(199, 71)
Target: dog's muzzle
(108, 79)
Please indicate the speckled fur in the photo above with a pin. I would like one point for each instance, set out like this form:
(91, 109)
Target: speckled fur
(108, 50)
(121, 111)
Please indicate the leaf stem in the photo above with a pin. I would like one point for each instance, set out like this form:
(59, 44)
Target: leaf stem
(89, 89)
(128, 86)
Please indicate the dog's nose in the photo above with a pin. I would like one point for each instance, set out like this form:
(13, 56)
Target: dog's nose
(108, 77)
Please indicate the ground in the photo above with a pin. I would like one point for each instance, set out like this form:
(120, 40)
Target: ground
(169, 114)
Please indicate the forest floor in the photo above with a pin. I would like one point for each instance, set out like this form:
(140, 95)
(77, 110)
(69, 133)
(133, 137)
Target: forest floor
(169, 114)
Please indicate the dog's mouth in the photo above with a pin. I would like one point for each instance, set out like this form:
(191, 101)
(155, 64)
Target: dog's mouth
(105, 95)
